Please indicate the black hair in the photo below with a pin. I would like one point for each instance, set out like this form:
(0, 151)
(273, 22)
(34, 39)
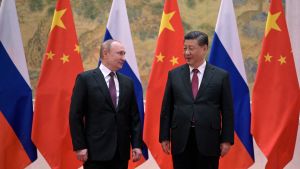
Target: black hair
(201, 37)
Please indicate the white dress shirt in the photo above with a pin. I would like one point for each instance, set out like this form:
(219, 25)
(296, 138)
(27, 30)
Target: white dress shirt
(201, 69)
(105, 71)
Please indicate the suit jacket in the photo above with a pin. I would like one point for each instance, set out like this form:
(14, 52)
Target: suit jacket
(212, 108)
(96, 124)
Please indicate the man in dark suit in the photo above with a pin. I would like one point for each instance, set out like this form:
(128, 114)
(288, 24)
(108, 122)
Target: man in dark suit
(104, 118)
(197, 109)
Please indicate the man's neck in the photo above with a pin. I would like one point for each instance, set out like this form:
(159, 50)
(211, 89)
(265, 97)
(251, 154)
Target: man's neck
(107, 66)
(196, 66)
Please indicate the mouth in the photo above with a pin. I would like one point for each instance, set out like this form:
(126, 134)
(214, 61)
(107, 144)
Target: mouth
(121, 62)
(187, 58)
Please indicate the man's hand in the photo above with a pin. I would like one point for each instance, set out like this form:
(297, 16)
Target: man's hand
(225, 147)
(166, 146)
(82, 155)
(136, 154)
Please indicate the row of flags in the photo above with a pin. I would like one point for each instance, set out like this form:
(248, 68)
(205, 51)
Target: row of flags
(273, 119)
(275, 99)
(60, 66)
(17, 149)
(118, 28)
(168, 55)
(226, 53)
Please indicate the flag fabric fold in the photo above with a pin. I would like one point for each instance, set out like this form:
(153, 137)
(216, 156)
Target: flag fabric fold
(61, 64)
(168, 55)
(17, 149)
(275, 98)
(118, 28)
(293, 24)
(226, 53)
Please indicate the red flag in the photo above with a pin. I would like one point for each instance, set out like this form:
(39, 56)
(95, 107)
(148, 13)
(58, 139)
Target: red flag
(168, 55)
(275, 100)
(61, 64)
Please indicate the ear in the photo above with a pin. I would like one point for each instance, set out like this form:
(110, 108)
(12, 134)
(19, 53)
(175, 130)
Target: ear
(205, 48)
(105, 52)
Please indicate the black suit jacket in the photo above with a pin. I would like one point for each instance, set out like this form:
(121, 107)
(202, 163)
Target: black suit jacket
(212, 108)
(96, 124)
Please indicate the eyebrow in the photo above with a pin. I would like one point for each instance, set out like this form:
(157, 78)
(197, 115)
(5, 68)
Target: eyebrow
(121, 52)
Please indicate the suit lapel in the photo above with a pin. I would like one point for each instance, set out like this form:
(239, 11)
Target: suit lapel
(187, 79)
(98, 76)
(208, 73)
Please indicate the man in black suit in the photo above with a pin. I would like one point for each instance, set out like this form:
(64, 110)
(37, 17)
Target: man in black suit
(104, 117)
(197, 109)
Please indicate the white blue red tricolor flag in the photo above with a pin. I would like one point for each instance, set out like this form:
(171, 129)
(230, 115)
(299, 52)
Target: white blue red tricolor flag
(118, 29)
(16, 147)
(226, 53)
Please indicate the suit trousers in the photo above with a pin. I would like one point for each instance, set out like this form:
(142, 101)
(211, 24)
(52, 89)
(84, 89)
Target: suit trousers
(115, 163)
(191, 158)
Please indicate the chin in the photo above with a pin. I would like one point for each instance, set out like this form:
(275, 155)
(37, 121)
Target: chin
(120, 67)
(189, 62)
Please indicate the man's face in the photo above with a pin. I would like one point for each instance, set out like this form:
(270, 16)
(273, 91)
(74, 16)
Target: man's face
(115, 57)
(193, 53)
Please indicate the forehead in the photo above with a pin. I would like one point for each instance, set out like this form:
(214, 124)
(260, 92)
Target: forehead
(191, 42)
(117, 46)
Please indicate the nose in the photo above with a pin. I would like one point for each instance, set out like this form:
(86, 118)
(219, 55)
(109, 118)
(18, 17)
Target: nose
(186, 52)
(123, 57)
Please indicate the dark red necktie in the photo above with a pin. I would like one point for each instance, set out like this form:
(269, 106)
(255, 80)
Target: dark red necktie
(112, 88)
(195, 82)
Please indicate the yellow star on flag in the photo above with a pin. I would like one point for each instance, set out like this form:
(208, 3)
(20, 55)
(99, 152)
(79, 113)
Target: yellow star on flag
(160, 57)
(174, 60)
(268, 58)
(165, 21)
(272, 22)
(282, 60)
(57, 19)
(65, 58)
(50, 55)
(77, 49)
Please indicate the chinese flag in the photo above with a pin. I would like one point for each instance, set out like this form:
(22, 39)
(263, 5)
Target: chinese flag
(275, 100)
(61, 64)
(168, 55)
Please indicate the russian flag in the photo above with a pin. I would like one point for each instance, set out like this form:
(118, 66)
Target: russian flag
(16, 147)
(118, 28)
(226, 53)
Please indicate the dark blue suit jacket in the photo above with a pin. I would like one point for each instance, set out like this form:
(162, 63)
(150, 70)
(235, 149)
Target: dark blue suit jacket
(96, 124)
(212, 108)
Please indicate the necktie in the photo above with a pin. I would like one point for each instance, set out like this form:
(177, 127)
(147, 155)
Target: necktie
(195, 82)
(112, 88)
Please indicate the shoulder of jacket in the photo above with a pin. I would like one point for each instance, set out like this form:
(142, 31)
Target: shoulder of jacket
(178, 69)
(87, 73)
(124, 77)
(216, 69)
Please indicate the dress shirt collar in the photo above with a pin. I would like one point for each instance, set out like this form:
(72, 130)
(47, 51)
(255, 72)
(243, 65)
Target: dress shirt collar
(201, 68)
(105, 71)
